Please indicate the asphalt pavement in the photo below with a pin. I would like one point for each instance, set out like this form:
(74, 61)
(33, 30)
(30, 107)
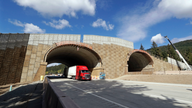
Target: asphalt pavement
(125, 94)
(104, 94)
(25, 96)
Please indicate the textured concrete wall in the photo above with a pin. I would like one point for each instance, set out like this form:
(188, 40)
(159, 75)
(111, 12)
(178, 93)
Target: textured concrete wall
(19, 59)
(34, 56)
(13, 40)
(160, 65)
(11, 64)
(107, 40)
(53, 97)
(49, 39)
(114, 59)
(12, 55)
(182, 65)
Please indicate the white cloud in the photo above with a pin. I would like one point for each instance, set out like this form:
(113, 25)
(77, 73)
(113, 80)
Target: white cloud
(60, 24)
(190, 22)
(175, 40)
(28, 27)
(134, 27)
(111, 26)
(159, 39)
(102, 23)
(16, 22)
(59, 8)
(53, 64)
(178, 8)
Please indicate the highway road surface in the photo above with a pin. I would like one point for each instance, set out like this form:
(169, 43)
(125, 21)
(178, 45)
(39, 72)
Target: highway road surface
(126, 94)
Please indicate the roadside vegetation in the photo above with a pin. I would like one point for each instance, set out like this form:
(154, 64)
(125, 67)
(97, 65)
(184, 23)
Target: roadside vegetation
(55, 69)
(184, 47)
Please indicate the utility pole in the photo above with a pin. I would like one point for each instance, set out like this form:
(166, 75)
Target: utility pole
(178, 53)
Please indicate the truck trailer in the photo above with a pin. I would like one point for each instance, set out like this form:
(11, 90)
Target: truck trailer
(79, 73)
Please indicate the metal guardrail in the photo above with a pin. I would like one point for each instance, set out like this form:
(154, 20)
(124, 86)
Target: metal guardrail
(53, 97)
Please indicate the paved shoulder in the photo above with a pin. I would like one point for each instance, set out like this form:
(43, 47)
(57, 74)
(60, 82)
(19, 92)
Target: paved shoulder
(27, 96)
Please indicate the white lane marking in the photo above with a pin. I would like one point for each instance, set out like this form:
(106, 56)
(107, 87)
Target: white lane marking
(163, 98)
(98, 96)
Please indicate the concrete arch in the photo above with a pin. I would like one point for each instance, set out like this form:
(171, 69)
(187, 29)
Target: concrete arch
(140, 60)
(72, 53)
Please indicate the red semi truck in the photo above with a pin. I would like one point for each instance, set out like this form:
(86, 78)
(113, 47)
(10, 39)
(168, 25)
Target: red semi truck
(79, 73)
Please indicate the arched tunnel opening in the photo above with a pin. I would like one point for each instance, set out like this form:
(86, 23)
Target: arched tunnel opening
(72, 55)
(139, 61)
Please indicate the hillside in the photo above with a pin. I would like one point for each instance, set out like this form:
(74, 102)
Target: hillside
(55, 69)
(181, 46)
(184, 47)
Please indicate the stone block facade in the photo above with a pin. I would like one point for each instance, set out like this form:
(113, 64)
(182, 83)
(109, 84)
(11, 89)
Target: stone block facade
(161, 65)
(34, 57)
(27, 63)
(114, 59)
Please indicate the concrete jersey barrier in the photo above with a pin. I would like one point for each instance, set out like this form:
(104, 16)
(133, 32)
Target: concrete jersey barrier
(54, 97)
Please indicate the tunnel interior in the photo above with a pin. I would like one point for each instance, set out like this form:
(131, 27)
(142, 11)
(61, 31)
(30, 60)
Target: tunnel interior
(72, 55)
(139, 61)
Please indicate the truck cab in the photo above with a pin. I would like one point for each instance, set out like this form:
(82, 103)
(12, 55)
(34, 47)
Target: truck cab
(82, 73)
(79, 72)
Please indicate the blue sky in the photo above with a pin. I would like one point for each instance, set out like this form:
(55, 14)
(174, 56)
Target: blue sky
(139, 21)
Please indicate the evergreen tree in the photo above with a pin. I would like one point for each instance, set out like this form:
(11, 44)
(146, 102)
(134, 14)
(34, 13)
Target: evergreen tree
(141, 48)
(155, 50)
(55, 69)
(164, 55)
(188, 56)
(172, 52)
(190, 59)
(154, 45)
(184, 47)
(188, 51)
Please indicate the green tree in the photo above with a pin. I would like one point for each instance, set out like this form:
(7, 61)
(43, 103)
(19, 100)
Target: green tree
(141, 47)
(154, 45)
(55, 69)
(172, 52)
(155, 50)
(164, 54)
(190, 59)
(188, 56)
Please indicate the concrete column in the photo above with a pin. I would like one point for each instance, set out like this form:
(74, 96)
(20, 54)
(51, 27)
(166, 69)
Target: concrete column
(126, 69)
(41, 71)
(65, 72)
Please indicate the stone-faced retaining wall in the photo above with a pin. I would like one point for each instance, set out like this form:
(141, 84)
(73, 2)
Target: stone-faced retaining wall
(11, 64)
(22, 63)
(12, 55)
(38, 46)
(34, 56)
(114, 60)
(161, 65)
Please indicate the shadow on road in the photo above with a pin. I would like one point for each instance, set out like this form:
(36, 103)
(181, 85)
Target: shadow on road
(28, 96)
(125, 95)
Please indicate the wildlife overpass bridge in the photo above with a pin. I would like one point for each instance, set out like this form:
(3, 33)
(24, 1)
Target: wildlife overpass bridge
(24, 57)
